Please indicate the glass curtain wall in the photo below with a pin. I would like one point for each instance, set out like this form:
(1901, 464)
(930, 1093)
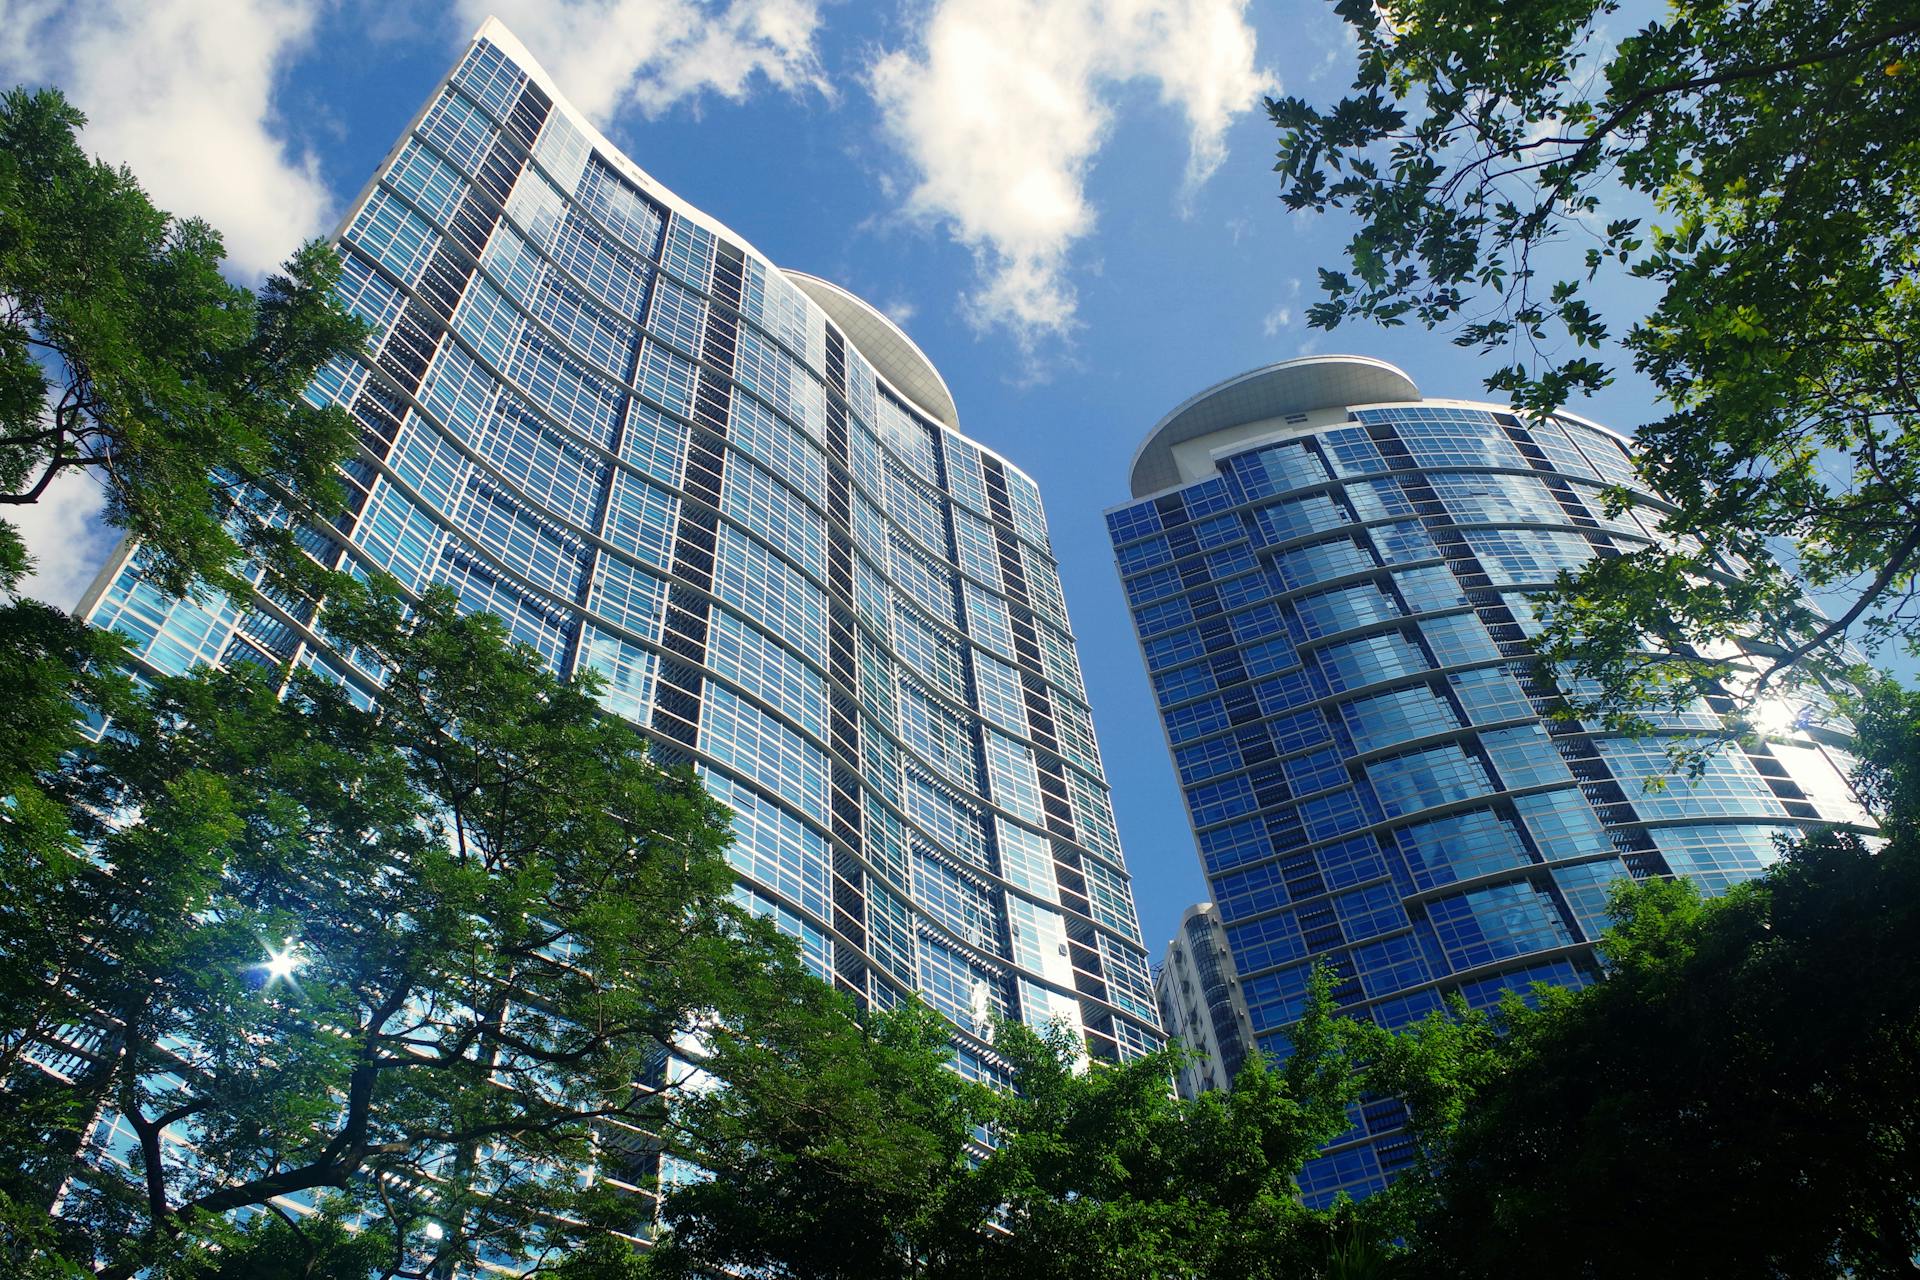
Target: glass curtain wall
(739, 495)
(1331, 598)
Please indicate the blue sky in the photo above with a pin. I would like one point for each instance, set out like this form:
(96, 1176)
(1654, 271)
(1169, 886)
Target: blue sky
(1069, 206)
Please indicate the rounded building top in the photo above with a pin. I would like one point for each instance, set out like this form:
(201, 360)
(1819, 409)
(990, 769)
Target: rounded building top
(885, 345)
(1275, 391)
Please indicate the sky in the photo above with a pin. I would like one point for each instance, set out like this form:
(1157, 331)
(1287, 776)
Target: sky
(1069, 205)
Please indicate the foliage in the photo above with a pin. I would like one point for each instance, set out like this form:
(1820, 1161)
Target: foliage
(1490, 152)
(1737, 1098)
(124, 353)
(838, 1148)
(499, 915)
(858, 1158)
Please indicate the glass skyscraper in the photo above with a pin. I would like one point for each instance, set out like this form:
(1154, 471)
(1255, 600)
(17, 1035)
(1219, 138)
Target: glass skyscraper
(1329, 576)
(739, 494)
(1199, 999)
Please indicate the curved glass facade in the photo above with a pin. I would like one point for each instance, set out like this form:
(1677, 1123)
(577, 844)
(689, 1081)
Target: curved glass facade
(737, 493)
(1332, 600)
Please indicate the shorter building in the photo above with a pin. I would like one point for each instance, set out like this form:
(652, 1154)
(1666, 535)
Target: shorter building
(1332, 578)
(1200, 1004)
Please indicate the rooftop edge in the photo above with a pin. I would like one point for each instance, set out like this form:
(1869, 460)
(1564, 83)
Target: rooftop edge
(1271, 391)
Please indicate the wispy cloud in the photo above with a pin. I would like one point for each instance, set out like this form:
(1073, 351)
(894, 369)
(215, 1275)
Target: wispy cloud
(1275, 320)
(182, 92)
(1000, 107)
(608, 55)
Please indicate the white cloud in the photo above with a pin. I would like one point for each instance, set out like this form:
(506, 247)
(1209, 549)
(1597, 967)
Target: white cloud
(1277, 319)
(901, 311)
(1001, 106)
(65, 536)
(610, 54)
(182, 92)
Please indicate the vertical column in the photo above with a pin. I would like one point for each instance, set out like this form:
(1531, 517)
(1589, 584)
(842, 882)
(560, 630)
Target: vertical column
(1083, 944)
(417, 331)
(676, 712)
(843, 725)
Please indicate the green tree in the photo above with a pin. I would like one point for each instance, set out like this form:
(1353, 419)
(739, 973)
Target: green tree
(124, 353)
(858, 1157)
(1738, 1098)
(1495, 156)
(838, 1148)
(425, 959)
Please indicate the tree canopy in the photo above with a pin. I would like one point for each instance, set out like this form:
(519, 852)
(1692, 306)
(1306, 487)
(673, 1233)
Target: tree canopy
(126, 354)
(420, 962)
(1736, 1099)
(855, 1153)
(1754, 171)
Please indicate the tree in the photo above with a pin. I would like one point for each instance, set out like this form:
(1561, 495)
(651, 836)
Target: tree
(1488, 151)
(1736, 1099)
(838, 1148)
(857, 1157)
(124, 353)
(425, 958)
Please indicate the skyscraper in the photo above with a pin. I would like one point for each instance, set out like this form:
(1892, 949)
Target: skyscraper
(1199, 998)
(739, 494)
(1329, 576)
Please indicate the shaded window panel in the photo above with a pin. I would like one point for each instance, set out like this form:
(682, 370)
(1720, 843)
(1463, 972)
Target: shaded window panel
(1562, 824)
(1422, 779)
(1495, 923)
(1524, 756)
(1459, 846)
(1396, 716)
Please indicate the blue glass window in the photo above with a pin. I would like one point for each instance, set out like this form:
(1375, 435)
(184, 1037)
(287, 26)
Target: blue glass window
(1265, 943)
(1422, 779)
(1399, 715)
(1458, 638)
(1352, 452)
(1344, 608)
(1350, 664)
(1459, 846)
(1240, 894)
(1524, 756)
(1490, 695)
(1315, 513)
(1275, 469)
(1491, 924)
(1320, 561)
